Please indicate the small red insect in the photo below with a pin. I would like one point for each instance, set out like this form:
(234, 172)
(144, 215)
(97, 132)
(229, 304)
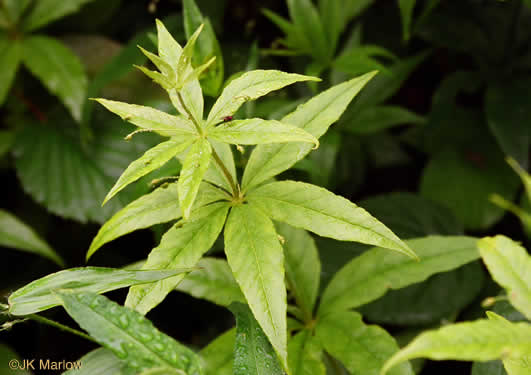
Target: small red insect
(227, 118)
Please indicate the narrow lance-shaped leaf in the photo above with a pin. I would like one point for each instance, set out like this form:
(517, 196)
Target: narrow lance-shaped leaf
(207, 47)
(250, 86)
(370, 275)
(482, 340)
(363, 349)
(154, 158)
(180, 246)
(129, 335)
(316, 209)
(40, 294)
(184, 63)
(315, 116)
(256, 259)
(46, 11)
(510, 265)
(17, 235)
(253, 354)
(194, 168)
(218, 356)
(11, 55)
(303, 268)
(150, 119)
(213, 281)
(58, 69)
(257, 131)
(406, 12)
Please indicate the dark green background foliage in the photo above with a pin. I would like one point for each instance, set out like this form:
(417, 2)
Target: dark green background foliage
(436, 144)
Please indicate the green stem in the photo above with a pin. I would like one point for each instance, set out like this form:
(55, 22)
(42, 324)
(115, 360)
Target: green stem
(62, 327)
(217, 159)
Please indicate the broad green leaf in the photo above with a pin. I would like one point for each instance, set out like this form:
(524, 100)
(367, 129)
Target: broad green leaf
(253, 353)
(411, 215)
(6, 355)
(11, 51)
(217, 357)
(17, 235)
(70, 178)
(194, 168)
(315, 116)
(318, 210)
(159, 206)
(100, 361)
(257, 262)
(309, 29)
(182, 246)
(40, 294)
(58, 69)
(303, 268)
(464, 180)
(377, 118)
(150, 119)
(437, 299)
(257, 131)
(213, 281)
(207, 47)
(129, 335)
(363, 349)
(510, 265)
(154, 158)
(372, 274)
(406, 12)
(507, 108)
(46, 11)
(250, 86)
(304, 354)
(482, 340)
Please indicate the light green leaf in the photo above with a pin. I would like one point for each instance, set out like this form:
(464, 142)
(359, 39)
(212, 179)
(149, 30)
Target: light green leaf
(218, 356)
(256, 259)
(129, 335)
(318, 210)
(309, 29)
(207, 47)
(482, 340)
(377, 118)
(194, 168)
(154, 158)
(182, 246)
(406, 12)
(372, 274)
(159, 206)
(185, 63)
(258, 131)
(162, 371)
(250, 86)
(304, 354)
(510, 265)
(363, 349)
(46, 11)
(315, 116)
(150, 119)
(58, 69)
(214, 173)
(213, 281)
(100, 361)
(253, 353)
(17, 235)
(40, 294)
(15, 8)
(11, 51)
(169, 49)
(303, 268)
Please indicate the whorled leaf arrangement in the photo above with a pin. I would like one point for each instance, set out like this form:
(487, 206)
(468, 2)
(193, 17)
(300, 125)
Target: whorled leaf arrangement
(208, 193)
